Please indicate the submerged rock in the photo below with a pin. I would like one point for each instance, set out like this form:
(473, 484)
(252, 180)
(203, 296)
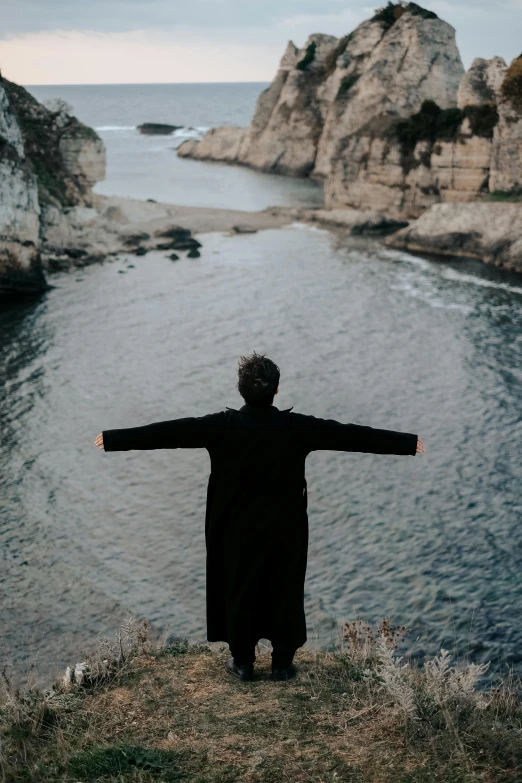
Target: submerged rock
(244, 230)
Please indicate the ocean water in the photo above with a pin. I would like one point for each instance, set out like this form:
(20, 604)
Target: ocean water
(361, 333)
(144, 166)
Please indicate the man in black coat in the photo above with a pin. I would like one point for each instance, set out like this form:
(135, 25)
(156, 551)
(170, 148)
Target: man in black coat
(256, 523)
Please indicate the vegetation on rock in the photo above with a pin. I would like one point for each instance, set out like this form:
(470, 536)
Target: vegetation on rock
(346, 84)
(433, 124)
(504, 195)
(309, 57)
(42, 129)
(389, 14)
(511, 87)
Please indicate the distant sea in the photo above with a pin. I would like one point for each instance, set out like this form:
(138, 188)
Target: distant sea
(143, 166)
(362, 333)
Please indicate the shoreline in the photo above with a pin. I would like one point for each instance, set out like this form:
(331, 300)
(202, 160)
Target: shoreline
(490, 232)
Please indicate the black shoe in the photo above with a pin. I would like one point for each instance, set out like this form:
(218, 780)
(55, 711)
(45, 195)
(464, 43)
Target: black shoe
(244, 673)
(288, 673)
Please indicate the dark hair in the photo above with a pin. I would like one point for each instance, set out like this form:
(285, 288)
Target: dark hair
(258, 379)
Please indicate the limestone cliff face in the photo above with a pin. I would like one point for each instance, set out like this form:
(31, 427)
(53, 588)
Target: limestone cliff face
(506, 164)
(481, 84)
(331, 88)
(20, 265)
(48, 161)
(386, 116)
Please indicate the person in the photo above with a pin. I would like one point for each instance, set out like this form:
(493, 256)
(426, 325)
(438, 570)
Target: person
(256, 519)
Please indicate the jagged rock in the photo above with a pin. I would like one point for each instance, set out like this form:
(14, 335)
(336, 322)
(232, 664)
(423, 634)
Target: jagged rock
(174, 232)
(490, 231)
(219, 144)
(84, 159)
(131, 240)
(20, 263)
(158, 128)
(482, 82)
(506, 164)
(48, 161)
(386, 116)
(303, 120)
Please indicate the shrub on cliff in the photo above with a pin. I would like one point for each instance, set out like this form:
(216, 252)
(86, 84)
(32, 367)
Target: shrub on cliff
(389, 14)
(309, 57)
(511, 87)
(433, 124)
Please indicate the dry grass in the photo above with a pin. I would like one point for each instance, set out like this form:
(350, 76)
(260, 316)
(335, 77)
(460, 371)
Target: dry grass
(140, 712)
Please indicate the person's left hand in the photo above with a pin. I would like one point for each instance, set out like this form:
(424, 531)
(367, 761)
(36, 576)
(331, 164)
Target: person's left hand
(99, 441)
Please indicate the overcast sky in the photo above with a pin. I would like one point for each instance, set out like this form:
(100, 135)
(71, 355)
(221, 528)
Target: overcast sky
(143, 41)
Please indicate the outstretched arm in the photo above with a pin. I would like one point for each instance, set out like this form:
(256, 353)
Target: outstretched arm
(189, 432)
(317, 433)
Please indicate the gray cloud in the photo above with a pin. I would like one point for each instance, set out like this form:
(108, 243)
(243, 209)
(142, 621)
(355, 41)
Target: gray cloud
(29, 16)
(23, 16)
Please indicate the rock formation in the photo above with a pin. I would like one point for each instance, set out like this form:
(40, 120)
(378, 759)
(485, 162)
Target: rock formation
(49, 162)
(491, 232)
(506, 163)
(386, 116)
(332, 88)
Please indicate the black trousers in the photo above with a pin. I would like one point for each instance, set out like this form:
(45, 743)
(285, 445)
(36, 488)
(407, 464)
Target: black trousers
(246, 653)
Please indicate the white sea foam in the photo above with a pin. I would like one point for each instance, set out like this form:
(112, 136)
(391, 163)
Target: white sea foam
(449, 273)
(189, 133)
(115, 127)
(452, 274)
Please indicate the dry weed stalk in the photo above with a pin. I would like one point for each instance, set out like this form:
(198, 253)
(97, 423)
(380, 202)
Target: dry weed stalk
(110, 657)
(437, 680)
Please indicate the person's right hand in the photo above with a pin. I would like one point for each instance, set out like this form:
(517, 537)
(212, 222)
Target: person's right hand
(420, 446)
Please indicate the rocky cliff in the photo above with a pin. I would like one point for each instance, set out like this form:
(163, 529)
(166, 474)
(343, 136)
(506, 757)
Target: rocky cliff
(49, 162)
(386, 116)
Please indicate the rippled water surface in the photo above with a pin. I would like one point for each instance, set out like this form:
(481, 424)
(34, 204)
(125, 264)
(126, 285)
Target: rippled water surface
(361, 334)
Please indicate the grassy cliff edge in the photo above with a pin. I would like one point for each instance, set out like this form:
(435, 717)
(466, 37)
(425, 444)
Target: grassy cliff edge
(138, 711)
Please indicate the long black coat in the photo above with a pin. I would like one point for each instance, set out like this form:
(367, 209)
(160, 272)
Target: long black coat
(256, 523)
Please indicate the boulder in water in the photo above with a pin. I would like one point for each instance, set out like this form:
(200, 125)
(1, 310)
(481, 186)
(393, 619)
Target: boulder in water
(157, 128)
(193, 253)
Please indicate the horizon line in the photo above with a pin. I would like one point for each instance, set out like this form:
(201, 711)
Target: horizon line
(133, 84)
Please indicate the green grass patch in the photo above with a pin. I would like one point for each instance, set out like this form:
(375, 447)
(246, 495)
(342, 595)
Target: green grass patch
(114, 760)
(504, 195)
